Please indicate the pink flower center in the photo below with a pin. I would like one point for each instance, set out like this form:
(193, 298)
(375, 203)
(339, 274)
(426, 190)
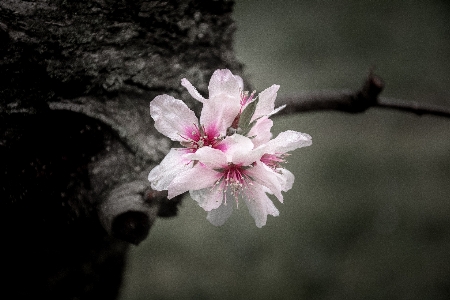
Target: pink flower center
(234, 180)
(196, 137)
(274, 161)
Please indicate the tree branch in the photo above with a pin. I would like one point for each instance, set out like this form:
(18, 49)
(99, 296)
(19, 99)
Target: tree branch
(355, 102)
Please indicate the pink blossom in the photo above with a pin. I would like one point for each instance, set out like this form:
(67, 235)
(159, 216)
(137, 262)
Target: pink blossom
(175, 120)
(276, 150)
(228, 155)
(223, 104)
(220, 178)
(242, 172)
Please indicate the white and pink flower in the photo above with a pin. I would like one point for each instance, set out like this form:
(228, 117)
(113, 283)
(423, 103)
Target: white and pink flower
(228, 155)
(176, 121)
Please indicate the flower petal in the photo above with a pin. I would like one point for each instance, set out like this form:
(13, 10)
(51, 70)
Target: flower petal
(276, 110)
(247, 159)
(287, 141)
(240, 81)
(172, 117)
(219, 216)
(259, 206)
(192, 90)
(288, 179)
(219, 113)
(223, 104)
(266, 103)
(260, 132)
(173, 164)
(210, 157)
(197, 178)
(224, 83)
(271, 209)
(208, 198)
(238, 148)
(265, 176)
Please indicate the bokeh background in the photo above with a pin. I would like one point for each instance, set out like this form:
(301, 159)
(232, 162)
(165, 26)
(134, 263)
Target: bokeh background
(369, 216)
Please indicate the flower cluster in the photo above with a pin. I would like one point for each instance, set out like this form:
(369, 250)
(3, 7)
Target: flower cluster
(228, 155)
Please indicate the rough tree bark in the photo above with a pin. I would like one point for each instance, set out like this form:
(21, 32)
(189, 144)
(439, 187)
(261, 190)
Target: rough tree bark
(77, 141)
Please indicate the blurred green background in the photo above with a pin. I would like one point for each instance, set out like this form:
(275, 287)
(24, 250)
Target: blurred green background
(369, 216)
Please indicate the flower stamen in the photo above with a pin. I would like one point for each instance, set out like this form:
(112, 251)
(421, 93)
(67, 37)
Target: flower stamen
(246, 98)
(198, 137)
(275, 160)
(234, 180)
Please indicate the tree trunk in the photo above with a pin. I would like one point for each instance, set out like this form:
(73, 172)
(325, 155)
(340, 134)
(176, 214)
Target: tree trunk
(77, 141)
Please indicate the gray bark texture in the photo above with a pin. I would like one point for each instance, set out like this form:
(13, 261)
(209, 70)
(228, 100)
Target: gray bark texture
(76, 138)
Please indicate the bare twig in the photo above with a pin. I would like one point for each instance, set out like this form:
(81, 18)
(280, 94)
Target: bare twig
(414, 107)
(355, 102)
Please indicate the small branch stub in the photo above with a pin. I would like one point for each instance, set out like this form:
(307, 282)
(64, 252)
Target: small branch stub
(127, 212)
(368, 95)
